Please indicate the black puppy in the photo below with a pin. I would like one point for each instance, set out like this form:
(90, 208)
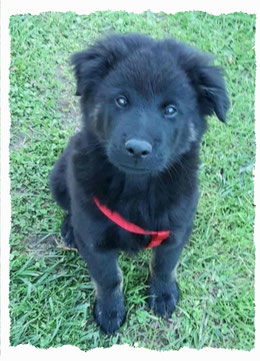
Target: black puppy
(128, 179)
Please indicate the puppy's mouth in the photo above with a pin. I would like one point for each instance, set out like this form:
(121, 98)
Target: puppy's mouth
(133, 169)
(133, 165)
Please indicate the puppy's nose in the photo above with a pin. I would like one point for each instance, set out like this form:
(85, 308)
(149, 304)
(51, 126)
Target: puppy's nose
(138, 148)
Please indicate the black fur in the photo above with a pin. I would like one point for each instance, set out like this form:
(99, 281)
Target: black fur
(139, 158)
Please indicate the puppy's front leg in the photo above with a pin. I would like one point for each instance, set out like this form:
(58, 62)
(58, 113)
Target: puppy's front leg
(163, 293)
(109, 309)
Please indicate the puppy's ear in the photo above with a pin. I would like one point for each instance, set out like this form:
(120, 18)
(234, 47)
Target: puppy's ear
(89, 67)
(210, 87)
(93, 64)
(206, 79)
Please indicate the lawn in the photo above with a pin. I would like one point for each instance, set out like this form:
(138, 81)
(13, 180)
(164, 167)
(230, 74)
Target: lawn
(51, 295)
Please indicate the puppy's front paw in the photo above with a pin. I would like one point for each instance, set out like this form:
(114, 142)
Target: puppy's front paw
(109, 313)
(163, 297)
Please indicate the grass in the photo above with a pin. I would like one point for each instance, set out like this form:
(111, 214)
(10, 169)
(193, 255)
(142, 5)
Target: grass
(51, 295)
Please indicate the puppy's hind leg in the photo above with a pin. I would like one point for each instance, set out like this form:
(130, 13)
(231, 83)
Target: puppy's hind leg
(58, 183)
(60, 193)
(67, 232)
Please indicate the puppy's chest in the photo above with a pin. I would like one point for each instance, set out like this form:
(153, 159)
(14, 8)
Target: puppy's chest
(142, 216)
(130, 242)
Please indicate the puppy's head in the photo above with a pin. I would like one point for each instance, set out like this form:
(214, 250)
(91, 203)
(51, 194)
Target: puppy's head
(147, 100)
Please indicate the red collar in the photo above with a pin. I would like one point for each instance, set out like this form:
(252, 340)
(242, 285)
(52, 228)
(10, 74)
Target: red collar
(157, 237)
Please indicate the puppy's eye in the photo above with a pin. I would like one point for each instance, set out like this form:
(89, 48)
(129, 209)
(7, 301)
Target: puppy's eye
(170, 111)
(121, 101)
